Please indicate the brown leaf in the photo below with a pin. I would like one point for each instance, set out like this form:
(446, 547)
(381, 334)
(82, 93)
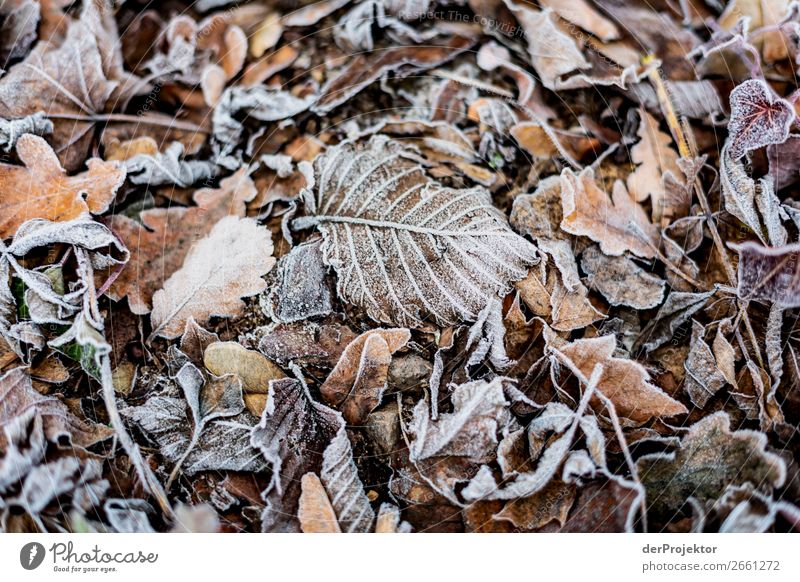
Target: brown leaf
(625, 382)
(161, 242)
(769, 273)
(67, 80)
(42, 188)
(710, 457)
(366, 68)
(253, 369)
(356, 384)
(654, 157)
(621, 281)
(315, 512)
(218, 271)
(60, 425)
(758, 118)
(619, 224)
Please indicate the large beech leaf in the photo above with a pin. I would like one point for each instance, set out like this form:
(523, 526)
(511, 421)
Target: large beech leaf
(404, 247)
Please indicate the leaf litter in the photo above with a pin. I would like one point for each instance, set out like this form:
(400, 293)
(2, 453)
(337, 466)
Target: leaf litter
(373, 266)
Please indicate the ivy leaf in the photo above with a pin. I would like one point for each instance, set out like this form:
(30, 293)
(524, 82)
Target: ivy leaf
(404, 247)
(758, 118)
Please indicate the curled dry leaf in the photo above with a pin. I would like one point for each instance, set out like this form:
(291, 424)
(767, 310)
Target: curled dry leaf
(769, 273)
(405, 247)
(356, 384)
(218, 271)
(42, 189)
(621, 281)
(60, 425)
(293, 434)
(619, 224)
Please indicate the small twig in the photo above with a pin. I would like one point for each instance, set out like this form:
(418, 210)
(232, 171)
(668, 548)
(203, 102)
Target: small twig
(125, 118)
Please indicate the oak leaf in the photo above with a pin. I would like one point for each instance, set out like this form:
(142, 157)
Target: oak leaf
(619, 224)
(161, 242)
(42, 188)
(219, 270)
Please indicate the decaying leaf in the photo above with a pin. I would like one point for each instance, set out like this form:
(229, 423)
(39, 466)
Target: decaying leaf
(315, 513)
(218, 270)
(711, 456)
(758, 118)
(769, 273)
(60, 425)
(439, 252)
(620, 280)
(625, 382)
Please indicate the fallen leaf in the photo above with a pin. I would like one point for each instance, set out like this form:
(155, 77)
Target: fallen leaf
(253, 369)
(161, 242)
(315, 512)
(218, 270)
(356, 384)
(621, 281)
(430, 243)
(710, 457)
(625, 382)
(619, 224)
(60, 425)
(654, 157)
(758, 118)
(42, 189)
(769, 273)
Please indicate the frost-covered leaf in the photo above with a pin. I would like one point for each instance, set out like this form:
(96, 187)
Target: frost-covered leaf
(12, 129)
(223, 445)
(619, 224)
(710, 457)
(340, 477)
(625, 382)
(42, 189)
(168, 167)
(758, 118)
(67, 80)
(61, 426)
(292, 436)
(769, 273)
(366, 68)
(356, 384)
(703, 378)
(160, 243)
(403, 246)
(553, 52)
(218, 270)
(654, 157)
(673, 313)
(302, 289)
(621, 281)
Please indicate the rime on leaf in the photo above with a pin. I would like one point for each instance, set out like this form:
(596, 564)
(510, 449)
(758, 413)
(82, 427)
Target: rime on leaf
(160, 243)
(42, 189)
(292, 436)
(625, 382)
(758, 118)
(710, 457)
(769, 273)
(404, 247)
(60, 425)
(619, 224)
(219, 269)
(62, 80)
(356, 384)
